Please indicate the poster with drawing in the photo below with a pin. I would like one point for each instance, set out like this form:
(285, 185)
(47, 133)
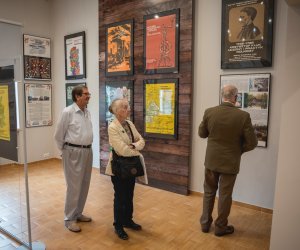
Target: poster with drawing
(254, 98)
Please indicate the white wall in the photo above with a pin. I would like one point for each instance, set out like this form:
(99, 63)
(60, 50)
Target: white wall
(286, 216)
(68, 17)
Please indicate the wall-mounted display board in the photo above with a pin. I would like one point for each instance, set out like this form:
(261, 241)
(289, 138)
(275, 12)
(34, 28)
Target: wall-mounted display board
(161, 41)
(8, 114)
(118, 90)
(119, 48)
(38, 103)
(37, 58)
(160, 108)
(247, 33)
(253, 97)
(69, 88)
(168, 49)
(75, 63)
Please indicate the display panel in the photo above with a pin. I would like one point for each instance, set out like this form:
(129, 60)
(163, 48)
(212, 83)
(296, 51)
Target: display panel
(254, 98)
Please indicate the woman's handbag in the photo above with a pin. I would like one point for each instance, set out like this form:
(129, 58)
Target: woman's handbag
(126, 167)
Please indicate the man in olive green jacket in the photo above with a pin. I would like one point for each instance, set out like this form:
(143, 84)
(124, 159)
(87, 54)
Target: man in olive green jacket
(230, 133)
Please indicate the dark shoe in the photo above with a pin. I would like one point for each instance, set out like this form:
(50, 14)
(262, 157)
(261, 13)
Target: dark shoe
(228, 230)
(205, 228)
(121, 233)
(133, 226)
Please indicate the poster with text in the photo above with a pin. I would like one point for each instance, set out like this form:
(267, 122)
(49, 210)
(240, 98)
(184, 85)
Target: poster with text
(247, 33)
(38, 100)
(161, 39)
(4, 114)
(160, 108)
(37, 58)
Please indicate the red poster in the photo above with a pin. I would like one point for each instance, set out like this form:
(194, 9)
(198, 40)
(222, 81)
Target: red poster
(161, 42)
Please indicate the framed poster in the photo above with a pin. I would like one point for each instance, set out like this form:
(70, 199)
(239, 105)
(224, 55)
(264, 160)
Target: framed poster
(160, 108)
(75, 65)
(115, 90)
(37, 58)
(69, 88)
(253, 97)
(161, 42)
(4, 113)
(38, 105)
(119, 48)
(247, 33)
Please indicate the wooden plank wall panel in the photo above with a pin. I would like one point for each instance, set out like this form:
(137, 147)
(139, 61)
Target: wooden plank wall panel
(167, 160)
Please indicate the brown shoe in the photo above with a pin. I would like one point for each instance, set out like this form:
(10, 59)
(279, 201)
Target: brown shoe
(228, 230)
(205, 228)
(84, 218)
(72, 226)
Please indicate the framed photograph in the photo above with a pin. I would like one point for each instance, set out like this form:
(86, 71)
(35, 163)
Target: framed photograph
(38, 104)
(253, 97)
(119, 48)
(161, 42)
(37, 58)
(160, 108)
(115, 90)
(69, 88)
(75, 64)
(247, 33)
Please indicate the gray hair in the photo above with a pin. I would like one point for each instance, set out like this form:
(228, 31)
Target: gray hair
(114, 106)
(229, 92)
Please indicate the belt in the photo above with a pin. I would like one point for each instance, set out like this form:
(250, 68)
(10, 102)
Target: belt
(78, 146)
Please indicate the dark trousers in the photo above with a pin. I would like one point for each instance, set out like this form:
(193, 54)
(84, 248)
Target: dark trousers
(123, 201)
(225, 182)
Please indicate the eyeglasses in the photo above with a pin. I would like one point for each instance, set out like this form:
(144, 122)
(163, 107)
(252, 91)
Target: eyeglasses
(88, 94)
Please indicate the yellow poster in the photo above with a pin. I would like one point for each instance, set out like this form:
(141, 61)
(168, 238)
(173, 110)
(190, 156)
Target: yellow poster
(4, 114)
(160, 108)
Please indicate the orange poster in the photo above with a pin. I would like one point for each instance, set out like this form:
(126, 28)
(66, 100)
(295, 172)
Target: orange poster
(161, 41)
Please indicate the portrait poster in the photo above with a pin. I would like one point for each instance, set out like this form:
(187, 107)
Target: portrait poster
(38, 105)
(117, 90)
(247, 33)
(161, 41)
(75, 63)
(37, 58)
(69, 88)
(254, 98)
(160, 108)
(4, 113)
(119, 48)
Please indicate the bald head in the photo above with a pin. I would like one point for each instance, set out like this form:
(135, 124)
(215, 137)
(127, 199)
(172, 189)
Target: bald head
(229, 93)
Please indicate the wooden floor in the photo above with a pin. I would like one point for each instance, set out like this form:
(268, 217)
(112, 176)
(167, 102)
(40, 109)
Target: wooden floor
(169, 220)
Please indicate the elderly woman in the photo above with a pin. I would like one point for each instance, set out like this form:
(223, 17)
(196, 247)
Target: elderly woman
(121, 141)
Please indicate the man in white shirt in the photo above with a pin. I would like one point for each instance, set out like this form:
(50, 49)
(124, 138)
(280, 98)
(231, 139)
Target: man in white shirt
(74, 136)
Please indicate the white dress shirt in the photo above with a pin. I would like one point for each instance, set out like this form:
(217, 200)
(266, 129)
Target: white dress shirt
(74, 126)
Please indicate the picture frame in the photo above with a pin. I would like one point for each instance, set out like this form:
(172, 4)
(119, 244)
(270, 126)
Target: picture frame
(37, 57)
(161, 42)
(161, 108)
(69, 88)
(115, 90)
(119, 48)
(247, 34)
(38, 105)
(75, 56)
(254, 98)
